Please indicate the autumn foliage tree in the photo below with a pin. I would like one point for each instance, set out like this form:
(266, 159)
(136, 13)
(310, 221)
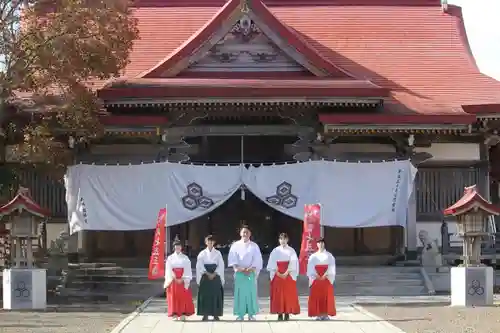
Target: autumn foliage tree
(51, 53)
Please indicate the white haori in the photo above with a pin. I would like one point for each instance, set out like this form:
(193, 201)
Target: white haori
(321, 258)
(283, 253)
(245, 255)
(206, 257)
(178, 260)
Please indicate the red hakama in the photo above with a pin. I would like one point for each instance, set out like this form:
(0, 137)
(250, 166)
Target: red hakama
(284, 296)
(179, 299)
(321, 298)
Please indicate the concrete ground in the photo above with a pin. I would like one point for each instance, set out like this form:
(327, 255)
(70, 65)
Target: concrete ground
(438, 317)
(350, 319)
(77, 318)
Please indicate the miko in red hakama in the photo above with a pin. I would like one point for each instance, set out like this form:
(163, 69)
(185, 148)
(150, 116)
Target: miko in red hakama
(321, 273)
(321, 301)
(177, 279)
(284, 296)
(179, 299)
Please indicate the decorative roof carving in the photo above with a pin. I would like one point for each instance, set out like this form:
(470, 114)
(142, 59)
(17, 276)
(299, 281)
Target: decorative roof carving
(245, 48)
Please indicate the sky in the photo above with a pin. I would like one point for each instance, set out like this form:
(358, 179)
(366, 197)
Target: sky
(482, 23)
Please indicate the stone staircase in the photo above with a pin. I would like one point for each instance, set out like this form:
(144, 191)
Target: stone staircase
(111, 283)
(108, 282)
(379, 281)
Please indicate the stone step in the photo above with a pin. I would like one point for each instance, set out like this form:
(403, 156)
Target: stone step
(377, 277)
(115, 282)
(382, 291)
(92, 265)
(118, 277)
(377, 270)
(390, 282)
(70, 294)
(112, 285)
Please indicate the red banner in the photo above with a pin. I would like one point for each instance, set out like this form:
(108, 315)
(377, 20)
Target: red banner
(157, 260)
(311, 232)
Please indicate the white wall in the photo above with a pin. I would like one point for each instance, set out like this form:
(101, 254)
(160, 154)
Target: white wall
(452, 151)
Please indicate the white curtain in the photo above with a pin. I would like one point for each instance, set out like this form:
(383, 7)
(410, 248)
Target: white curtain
(129, 197)
(286, 188)
(357, 195)
(351, 195)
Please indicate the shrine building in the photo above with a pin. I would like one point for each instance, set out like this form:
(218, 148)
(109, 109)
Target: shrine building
(275, 81)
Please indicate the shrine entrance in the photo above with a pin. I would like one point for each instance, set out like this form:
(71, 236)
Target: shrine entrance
(223, 223)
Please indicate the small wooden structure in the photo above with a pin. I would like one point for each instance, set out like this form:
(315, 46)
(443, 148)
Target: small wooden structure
(23, 216)
(472, 212)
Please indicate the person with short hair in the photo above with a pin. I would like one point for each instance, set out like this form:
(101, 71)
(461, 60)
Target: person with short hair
(178, 276)
(321, 274)
(283, 267)
(210, 278)
(246, 260)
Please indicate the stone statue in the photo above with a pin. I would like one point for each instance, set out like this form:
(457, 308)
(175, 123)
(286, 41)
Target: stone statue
(59, 245)
(430, 253)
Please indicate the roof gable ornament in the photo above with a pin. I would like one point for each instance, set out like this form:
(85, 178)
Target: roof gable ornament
(444, 6)
(244, 6)
(284, 40)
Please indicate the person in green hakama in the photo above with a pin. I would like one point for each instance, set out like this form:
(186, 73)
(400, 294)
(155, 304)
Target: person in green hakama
(246, 260)
(210, 278)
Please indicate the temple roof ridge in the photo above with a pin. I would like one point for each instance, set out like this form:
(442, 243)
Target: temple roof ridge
(218, 3)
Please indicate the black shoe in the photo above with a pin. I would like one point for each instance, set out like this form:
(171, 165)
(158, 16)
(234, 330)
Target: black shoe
(216, 318)
(280, 317)
(287, 316)
(205, 318)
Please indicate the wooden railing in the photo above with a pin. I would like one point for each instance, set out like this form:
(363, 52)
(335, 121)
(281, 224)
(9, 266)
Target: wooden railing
(45, 190)
(438, 188)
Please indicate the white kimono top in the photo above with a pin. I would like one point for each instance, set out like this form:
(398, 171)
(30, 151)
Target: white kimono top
(245, 255)
(283, 253)
(321, 258)
(178, 261)
(209, 257)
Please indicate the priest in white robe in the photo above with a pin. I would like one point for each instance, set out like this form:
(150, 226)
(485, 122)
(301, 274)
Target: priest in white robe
(246, 260)
(283, 267)
(210, 279)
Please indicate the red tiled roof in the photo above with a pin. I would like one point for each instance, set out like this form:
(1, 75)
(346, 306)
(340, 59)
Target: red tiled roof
(23, 201)
(411, 47)
(470, 200)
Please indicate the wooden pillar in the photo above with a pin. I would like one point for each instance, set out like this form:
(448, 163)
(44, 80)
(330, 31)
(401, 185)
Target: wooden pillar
(411, 227)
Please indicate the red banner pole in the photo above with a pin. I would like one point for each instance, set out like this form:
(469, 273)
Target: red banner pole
(311, 232)
(157, 259)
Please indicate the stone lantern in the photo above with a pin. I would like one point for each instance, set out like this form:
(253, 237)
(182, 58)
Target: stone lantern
(24, 286)
(472, 283)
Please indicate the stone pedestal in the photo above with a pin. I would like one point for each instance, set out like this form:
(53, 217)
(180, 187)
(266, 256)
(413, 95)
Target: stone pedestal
(24, 289)
(472, 286)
